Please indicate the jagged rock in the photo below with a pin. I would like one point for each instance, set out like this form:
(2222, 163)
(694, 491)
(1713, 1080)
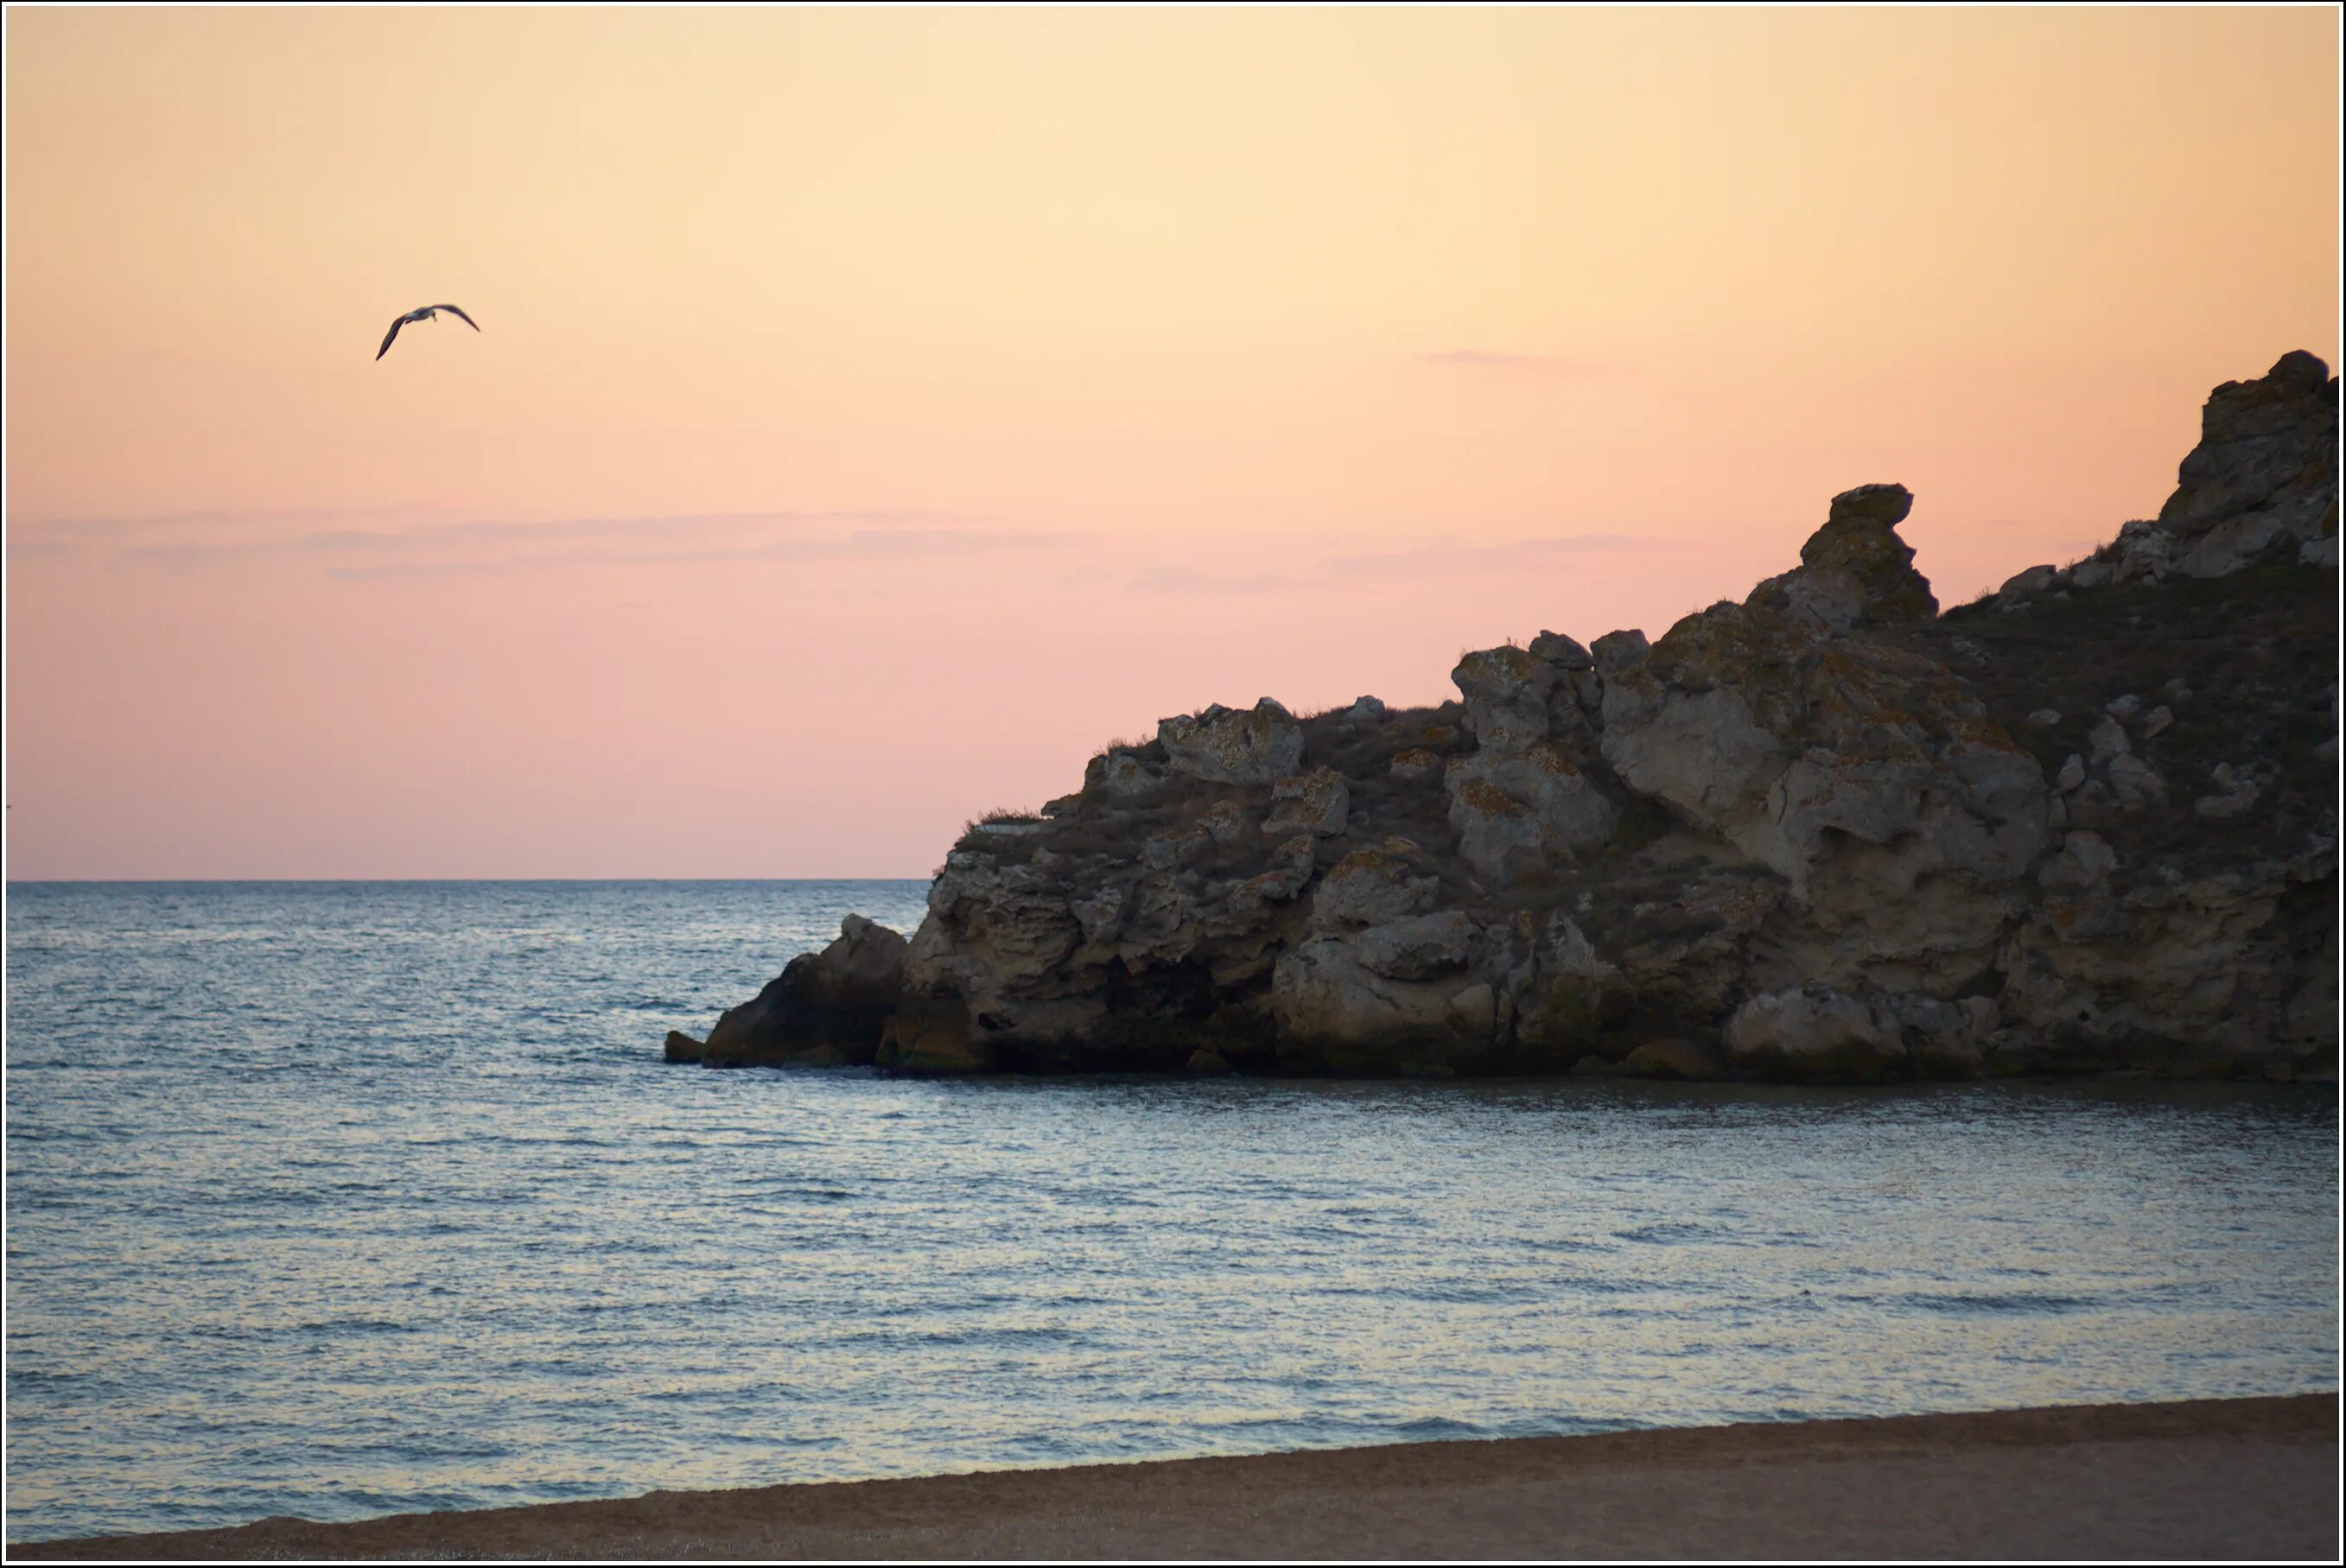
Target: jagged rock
(839, 997)
(682, 1047)
(1556, 649)
(1801, 753)
(1855, 571)
(2142, 553)
(1619, 650)
(2171, 974)
(1317, 802)
(1794, 838)
(1223, 747)
(1120, 775)
(1507, 691)
(1515, 816)
(2266, 468)
(995, 932)
(2034, 580)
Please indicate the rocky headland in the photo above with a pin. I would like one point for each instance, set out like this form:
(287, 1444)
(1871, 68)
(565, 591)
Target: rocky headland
(2086, 823)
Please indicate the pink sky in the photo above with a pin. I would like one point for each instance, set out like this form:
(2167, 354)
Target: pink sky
(877, 411)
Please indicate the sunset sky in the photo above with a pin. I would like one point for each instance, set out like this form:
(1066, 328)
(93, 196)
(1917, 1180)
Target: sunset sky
(876, 411)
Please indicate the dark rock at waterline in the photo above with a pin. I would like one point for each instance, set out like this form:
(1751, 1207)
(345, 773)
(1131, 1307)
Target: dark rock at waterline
(834, 1004)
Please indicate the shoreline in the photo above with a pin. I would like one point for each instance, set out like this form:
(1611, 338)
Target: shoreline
(2237, 1478)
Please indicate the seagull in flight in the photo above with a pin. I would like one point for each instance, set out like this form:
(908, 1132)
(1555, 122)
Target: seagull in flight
(423, 313)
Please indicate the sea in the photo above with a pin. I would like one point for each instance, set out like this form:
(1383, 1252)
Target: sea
(338, 1199)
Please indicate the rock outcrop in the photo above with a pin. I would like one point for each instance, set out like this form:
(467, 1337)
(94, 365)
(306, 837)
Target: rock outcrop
(824, 1010)
(1826, 834)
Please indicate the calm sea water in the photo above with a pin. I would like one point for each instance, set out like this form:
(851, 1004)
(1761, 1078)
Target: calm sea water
(345, 1200)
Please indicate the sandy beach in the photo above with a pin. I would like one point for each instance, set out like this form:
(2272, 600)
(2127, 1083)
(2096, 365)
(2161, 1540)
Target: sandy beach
(2233, 1479)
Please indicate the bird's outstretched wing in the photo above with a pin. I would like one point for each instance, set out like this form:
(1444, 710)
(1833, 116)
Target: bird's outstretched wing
(460, 316)
(397, 322)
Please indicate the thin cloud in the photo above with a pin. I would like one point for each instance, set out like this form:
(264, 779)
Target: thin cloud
(490, 544)
(863, 544)
(1189, 580)
(97, 530)
(1454, 560)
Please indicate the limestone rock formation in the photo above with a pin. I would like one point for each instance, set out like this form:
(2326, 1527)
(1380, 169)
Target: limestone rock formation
(1855, 571)
(2265, 473)
(1222, 746)
(2087, 823)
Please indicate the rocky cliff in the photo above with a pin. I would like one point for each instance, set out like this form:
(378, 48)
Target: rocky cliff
(1828, 834)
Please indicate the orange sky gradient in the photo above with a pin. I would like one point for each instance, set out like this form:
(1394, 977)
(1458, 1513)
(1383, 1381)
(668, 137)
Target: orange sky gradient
(876, 411)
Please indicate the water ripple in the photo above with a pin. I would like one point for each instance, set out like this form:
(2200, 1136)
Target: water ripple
(337, 1200)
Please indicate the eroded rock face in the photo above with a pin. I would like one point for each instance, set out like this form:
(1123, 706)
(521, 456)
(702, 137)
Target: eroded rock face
(1318, 802)
(1369, 887)
(1820, 835)
(2266, 468)
(1221, 747)
(1507, 692)
(1121, 774)
(2264, 475)
(1816, 1034)
(1855, 571)
(1517, 816)
(1866, 776)
(1400, 996)
(2221, 973)
(1525, 801)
